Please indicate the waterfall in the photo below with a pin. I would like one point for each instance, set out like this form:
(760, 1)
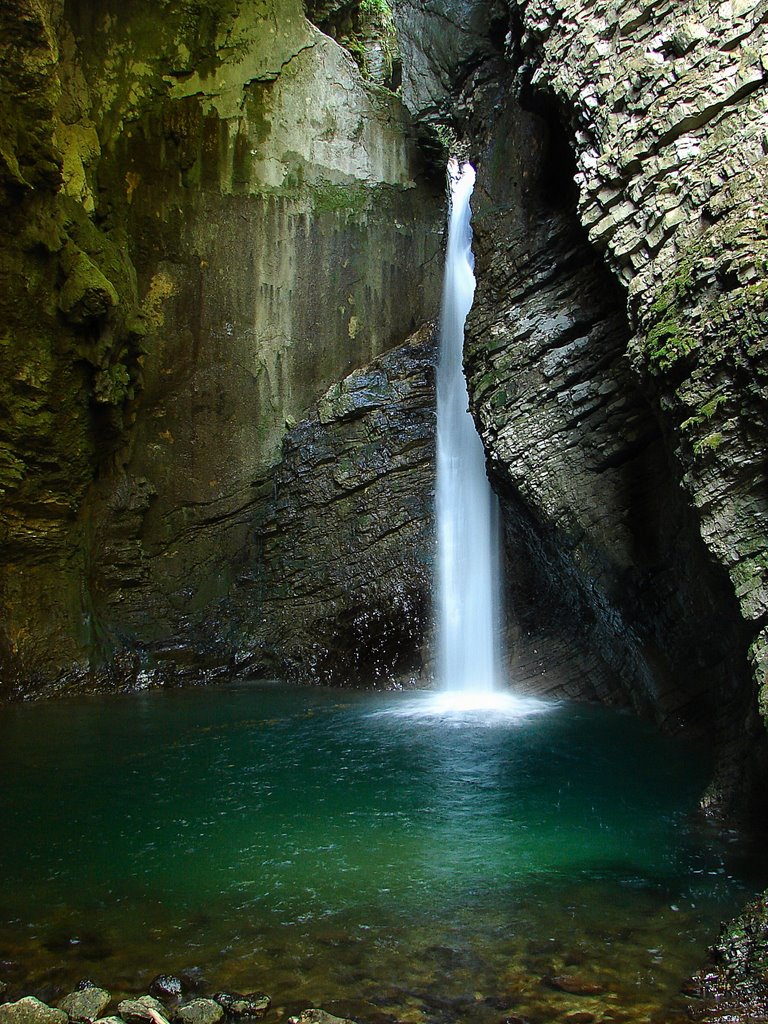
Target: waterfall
(468, 548)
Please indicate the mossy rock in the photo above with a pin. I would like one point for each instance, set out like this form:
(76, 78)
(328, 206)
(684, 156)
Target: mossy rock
(87, 295)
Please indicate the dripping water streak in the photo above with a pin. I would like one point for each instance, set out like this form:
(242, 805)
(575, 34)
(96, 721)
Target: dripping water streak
(467, 510)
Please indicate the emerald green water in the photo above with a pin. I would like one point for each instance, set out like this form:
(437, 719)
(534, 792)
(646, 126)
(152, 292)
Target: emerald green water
(331, 850)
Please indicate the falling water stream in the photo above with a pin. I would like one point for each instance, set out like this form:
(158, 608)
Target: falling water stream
(467, 513)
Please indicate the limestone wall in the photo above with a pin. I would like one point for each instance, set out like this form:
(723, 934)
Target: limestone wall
(233, 218)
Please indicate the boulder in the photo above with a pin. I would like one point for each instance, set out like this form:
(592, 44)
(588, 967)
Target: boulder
(165, 986)
(86, 1004)
(199, 1011)
(30, 1010)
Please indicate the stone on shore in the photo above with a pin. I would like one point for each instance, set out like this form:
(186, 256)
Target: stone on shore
(144, 1010)
(30, 1010)
(165, 986)
(87, 1004)
(317, 1016)
(199, 1011)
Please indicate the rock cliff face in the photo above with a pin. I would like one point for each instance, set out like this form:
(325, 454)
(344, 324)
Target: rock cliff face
(671, 169)
(339, 589)
(215, 217)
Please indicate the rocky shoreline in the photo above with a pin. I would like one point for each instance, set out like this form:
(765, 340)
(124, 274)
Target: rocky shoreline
(731, 988)
(167, 1002)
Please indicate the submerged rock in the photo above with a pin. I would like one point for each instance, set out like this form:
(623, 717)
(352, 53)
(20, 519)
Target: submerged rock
(30, 1010)
(199, 1011)
(166, 986)
(574, 984)
(253, 1004)
(87, 1004)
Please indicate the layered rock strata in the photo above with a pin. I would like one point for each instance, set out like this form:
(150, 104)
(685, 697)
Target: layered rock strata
(340, 591)
(595, 514)
(665, 107)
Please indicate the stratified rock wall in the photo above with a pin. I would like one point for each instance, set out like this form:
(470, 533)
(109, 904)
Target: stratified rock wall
(605, 558)
(667, 104)
(341, 589)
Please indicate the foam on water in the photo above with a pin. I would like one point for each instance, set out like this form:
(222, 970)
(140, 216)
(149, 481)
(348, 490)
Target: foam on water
(478, 707)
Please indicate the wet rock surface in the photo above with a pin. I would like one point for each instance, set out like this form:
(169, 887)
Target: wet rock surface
(30, 1010)
(341, 590)
(166, 987)
(670, 173)
(317, 1016)
(142, 1010)
(199, 1011)
(235, 1004)
(734, 986)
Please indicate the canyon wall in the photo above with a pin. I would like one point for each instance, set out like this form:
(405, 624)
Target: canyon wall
(213, 215)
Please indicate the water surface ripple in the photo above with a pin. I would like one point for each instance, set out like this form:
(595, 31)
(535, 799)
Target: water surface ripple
(378, 854)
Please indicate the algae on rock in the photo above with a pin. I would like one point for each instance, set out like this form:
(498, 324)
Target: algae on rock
(211, 218)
